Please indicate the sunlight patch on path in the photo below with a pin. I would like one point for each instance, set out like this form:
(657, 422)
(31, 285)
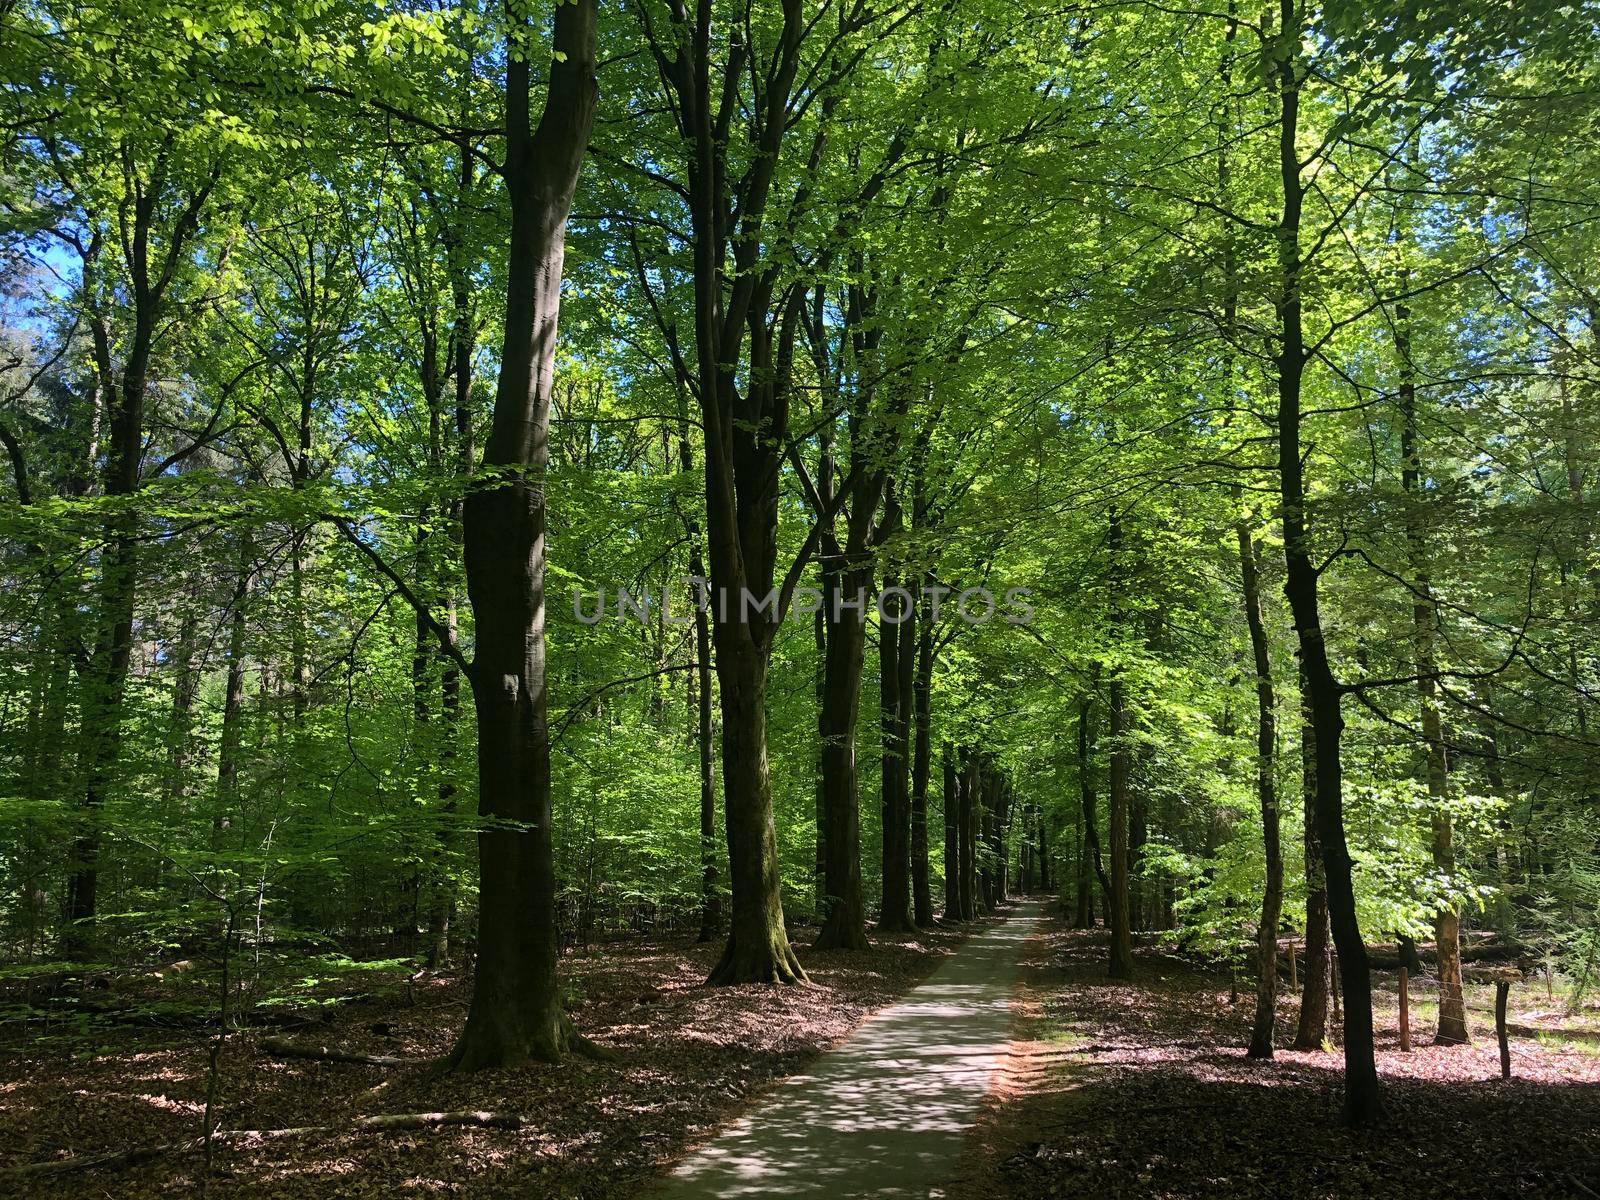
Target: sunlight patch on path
(886, 1113)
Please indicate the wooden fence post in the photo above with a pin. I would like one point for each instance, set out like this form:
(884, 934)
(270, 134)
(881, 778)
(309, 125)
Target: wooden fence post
(1502, 989)
(1405, 1011)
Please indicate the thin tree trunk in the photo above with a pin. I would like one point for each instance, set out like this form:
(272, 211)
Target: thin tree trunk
(1091, 827)
(952, 837)
(1261, 1036)
(921, 765)
(844, 925)
(820, 635)
(106, 673)
(965, 844)
(896, 656)
(1452, 1029)
(1363, 1098)
(1120, 965)
(227, 805)
(1311, 1032)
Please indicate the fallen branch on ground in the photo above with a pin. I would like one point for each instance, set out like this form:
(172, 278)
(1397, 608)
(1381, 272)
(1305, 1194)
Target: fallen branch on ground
(283, 1048)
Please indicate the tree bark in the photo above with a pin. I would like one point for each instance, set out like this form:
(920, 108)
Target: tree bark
(1363, 1103)
(227, 802)
(1120, 964)
(896, 656)
(744, 408)
(710, 897)
(1261, 1036)
(921, 719)
(1091, 856)
(1311, 1031)
(106, 672)
(966, 843)
(515, 1012)
(844, 924)
(952, 837)
(1452, 1030)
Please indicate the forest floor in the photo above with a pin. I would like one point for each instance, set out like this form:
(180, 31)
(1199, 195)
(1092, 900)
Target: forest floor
(886, 1114)
(1143, 1089)
(684, 1058)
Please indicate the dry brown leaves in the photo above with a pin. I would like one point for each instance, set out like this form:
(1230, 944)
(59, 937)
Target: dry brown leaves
(686, 1058)
(1143, 1090)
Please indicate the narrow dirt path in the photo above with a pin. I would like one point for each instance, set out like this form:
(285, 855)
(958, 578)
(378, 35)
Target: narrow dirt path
(887, 1112)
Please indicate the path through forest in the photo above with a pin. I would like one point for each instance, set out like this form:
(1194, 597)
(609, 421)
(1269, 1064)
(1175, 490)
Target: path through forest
(887, 1112)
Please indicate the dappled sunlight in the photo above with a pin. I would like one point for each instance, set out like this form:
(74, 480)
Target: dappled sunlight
(1120, 1089)
(686, 1058)
(885, 1114)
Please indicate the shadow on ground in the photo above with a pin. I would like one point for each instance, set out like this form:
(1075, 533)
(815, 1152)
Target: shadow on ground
(1143, 1089)
(887, 1113)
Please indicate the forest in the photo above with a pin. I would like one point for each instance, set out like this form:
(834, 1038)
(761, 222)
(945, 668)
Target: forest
(800, 597)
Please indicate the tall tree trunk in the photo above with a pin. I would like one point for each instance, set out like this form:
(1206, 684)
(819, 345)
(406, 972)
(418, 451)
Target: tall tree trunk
(952, 837)
(896, 655)
(464, 340)
(515, 1012)
(1452, 1029)
(1316, 989)
(710, 897)
(1120, 965)
(758, 949)
(1363, 1103)
(227, 803)
(982, 800)
(1047, 877)
(105, 674)
(744, 408)
(1261, 1036)
(1091, 855)
(820, 636)
(844, 926)
(921, 765)
(180, 723)
(965, 841)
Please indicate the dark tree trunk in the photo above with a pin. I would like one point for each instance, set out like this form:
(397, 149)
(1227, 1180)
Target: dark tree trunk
(966, 843)
(227, 803)
(1261, 1036)
(1120, 965)
(515, 1011)
(744, 409)
(921, 697)
(896, 656)
(1316, 989)
(820, 633)
(1363, 1098)
(845, 924)
(1047, 877)
(952, 838)
(1083, 911)
(758, 949)
(1452, 1029)
(180, 725)
(1090, 856)
(710, 897)
(999, 824)
(106, 672)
